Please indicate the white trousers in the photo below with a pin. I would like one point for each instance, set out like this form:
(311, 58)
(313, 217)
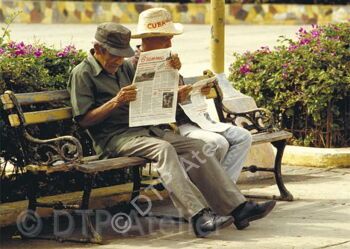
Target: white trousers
(230, 147)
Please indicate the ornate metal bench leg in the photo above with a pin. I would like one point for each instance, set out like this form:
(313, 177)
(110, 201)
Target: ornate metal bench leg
(133, 204)
(32, 180)
(136, 182)
(136, 178)
(96, 237)
(285, 194)
(30, 217)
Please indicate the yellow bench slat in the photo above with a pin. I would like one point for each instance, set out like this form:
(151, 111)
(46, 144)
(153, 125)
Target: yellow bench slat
(42, 97)
(34, 98)
(6, 101)
(42, 116)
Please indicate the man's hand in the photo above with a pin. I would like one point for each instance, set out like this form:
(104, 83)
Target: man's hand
(205, 90)
(125, 95)
(183, 92)
(175, 61)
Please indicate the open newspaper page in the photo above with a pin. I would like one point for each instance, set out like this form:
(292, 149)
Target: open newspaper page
(197, 110)
(233, 99)
(227, 90)
(157, 84)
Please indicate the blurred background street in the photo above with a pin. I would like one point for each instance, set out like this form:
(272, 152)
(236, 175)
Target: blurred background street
(193, 45)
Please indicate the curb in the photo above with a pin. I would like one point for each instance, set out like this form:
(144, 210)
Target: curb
(317, 157)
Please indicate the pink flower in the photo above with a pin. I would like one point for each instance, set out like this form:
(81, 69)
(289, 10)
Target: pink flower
(61, 54)
(245, 69)
(2, 50)
(20, 46)
(302, 31)
(315, 33)
(38, 53)
(304, 41)
(66, 51)
(19, 52)
(292, 48)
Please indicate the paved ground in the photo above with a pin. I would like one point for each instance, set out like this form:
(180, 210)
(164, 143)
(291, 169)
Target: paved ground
(318, 218)
(193, 46)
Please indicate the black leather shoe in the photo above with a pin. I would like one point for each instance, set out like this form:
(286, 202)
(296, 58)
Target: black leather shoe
(206, 222)
(251, 211)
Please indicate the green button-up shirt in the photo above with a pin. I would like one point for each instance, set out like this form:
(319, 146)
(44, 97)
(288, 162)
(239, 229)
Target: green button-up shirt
(90, 86)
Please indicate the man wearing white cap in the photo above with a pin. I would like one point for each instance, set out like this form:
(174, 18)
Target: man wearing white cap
(231, 146)
(156, 29)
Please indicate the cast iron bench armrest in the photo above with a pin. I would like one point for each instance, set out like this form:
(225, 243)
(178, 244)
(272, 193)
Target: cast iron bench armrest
(255, 120)
(65, 148)
(259, 119)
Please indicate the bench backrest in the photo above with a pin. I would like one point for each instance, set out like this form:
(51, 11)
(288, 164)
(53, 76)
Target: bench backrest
(13, 103)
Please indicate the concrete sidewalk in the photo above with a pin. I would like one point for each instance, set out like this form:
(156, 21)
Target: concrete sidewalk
(318, 218)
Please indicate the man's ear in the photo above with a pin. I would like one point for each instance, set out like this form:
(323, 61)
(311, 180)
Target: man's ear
(98, 49)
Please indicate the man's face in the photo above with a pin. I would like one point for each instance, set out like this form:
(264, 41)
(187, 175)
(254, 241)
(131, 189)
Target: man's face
(108, 61)
(152, 43)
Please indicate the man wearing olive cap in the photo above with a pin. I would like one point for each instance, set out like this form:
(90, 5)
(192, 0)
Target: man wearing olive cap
(100, 89)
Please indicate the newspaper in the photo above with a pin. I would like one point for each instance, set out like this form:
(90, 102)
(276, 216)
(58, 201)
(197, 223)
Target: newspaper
(197, 110)
(233, 99)
(226, 87)
(157, 85)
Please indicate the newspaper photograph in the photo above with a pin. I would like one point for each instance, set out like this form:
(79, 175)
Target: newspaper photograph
(197, 110)
(157, 85)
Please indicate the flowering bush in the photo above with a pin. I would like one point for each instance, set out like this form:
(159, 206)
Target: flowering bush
(305, 82)
(28, 67)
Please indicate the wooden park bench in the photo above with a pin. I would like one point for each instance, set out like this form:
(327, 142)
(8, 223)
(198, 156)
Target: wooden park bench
(65, 153)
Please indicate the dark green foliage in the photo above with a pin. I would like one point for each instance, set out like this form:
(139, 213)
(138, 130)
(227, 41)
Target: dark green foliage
(305, 83)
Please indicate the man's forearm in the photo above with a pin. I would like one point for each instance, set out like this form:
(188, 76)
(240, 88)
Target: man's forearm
(99, 114)
(95, 116)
